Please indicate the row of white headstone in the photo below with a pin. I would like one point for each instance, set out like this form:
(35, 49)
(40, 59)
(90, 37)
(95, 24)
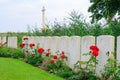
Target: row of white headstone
(11, 41)
(74, 47)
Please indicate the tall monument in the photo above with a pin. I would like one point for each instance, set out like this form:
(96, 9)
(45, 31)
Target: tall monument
(43, 18)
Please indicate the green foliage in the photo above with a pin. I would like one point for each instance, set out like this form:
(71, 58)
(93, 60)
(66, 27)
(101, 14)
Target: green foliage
(83, 75)
(95, 30)
(34, 59)
(111, 72)
(11, 52)
(75, 25)
(60, 68)
(4, 52)
(88, 71)
(65, 74)
(16, 53)
(104, 9)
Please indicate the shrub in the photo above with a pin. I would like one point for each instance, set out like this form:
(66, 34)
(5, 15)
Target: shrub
(11, 52)
(32, 55)
(111, 72)
(87, 72)
(4, 52)
(34, 59)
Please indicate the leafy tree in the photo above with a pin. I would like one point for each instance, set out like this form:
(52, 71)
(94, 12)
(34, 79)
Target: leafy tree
(104, 9)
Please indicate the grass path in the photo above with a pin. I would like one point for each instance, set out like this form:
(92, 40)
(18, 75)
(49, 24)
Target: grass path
(13, 69)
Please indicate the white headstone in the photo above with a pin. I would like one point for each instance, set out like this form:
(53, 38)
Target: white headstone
(74, 50)
(63, 44)
(4, 41)
(36, 41)
(12, 42)
(105, 44)
(3, 38)
(118, 48)
(0, 40)
(47, 43)
(54, 44)
(41, 41)
(31, 39)
(86, 42)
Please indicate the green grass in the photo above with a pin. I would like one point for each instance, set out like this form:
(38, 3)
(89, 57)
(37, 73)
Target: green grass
(13, 69)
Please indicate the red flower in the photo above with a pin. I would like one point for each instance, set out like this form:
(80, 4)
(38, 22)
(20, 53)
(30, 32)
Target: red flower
(25, 38)
(94, 48)
(47, 54)
(63, 52)
(31, 45)
(95, 53)
(51, 61)
(40, 50)
(55, 57)
(22, 45)
(62, 56)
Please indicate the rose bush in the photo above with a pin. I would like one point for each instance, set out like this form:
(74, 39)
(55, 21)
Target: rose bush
(31, 55)
(45, 59)
(88, 71)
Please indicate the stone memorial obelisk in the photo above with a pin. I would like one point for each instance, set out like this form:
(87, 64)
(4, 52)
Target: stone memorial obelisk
(43, 19)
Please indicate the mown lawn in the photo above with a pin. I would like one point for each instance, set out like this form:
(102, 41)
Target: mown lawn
(13, 69)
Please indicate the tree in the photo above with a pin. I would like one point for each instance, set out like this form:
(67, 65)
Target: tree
(104, 9)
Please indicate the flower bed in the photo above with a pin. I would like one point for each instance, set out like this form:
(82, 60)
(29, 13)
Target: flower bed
(57, 63)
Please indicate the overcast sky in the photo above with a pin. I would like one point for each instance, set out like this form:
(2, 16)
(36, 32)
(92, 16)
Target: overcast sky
(16, 15)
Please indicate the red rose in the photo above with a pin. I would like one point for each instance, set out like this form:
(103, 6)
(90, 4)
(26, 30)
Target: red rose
(51, 61)
(25, 38)
(31, 45)
(62, 56)
(63, 52)
(55, 57)
(94, 48)
(47, 54)
(40, 50)
(95, 53)
(22, 45)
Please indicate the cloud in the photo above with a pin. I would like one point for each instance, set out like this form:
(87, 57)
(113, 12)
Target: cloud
(17, 14)
(3, 1)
